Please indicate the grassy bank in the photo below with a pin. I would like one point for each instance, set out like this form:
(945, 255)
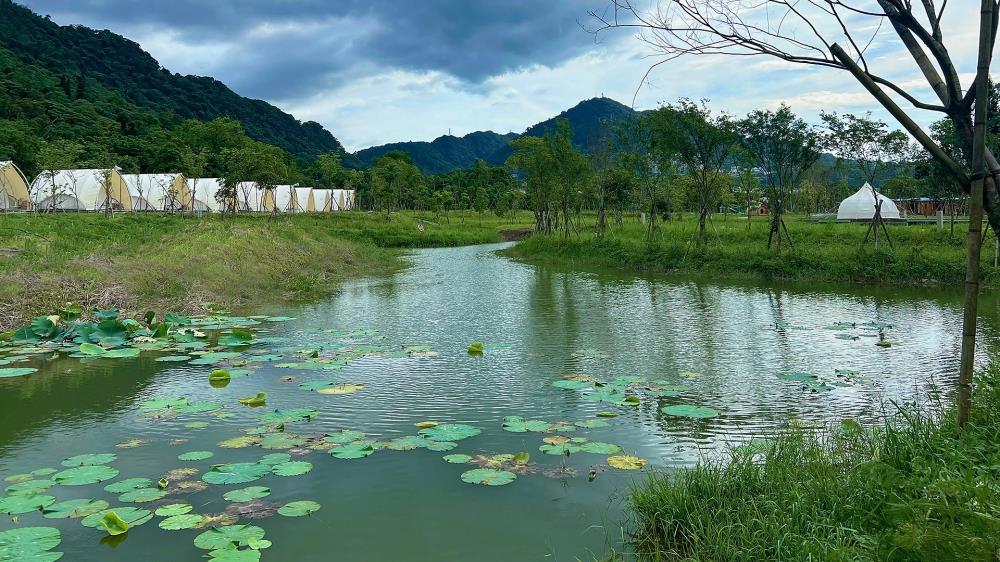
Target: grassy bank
(912, 489)
(136, 262)
(820, 252)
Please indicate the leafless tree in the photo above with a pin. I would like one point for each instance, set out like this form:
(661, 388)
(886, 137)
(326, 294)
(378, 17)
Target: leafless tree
(837, 34)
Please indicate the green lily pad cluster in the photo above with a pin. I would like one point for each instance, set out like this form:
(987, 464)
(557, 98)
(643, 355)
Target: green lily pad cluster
(621, 391)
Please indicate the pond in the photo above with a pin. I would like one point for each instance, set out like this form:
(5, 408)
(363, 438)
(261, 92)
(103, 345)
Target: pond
(387, 353)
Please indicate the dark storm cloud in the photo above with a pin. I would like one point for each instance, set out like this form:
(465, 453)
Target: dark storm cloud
(324, 42)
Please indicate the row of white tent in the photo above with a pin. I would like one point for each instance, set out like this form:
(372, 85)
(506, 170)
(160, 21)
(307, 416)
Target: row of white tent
(99, 189)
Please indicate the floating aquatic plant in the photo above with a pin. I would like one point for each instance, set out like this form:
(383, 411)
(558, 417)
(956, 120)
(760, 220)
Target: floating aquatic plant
(626, 462)
(173, 509)
(83, 475)
(24, 503)
(689, 411)
(247, 494)
(488, 477)
(195, 455)
(517, 424)
(235, 473)
(298, 508)
(231, 537)
(180, 522)
(29, 544)
(450, 432)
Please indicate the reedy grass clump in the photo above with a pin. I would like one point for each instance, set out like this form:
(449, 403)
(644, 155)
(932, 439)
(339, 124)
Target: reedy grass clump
(913, 488)
(825, 252)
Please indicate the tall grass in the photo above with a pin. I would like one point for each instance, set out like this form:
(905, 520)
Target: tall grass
(915, 488)
(820, 252)
(140, 261)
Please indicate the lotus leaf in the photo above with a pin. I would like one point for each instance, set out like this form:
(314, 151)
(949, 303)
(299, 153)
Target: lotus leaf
(259, 399)
(591, 424)
(214, 357)
(689, 411)
(425, 424)
(517, 424)
(343, 436)
(289, 415)
(457, 459)
(291, 468)
(275, 458)
(173, 358)
(174, 509)
(232, 555)
(43, 471)
(341, 389)
(600, 448)
(556, 440)
(180, 522)
(560, 449)
(488, 477)
(281, 441)
(83, 475)
(127, 485)
(235, 473)
(441, 446)
(24, 503)
(163, 403)
(354, 450)
(229, 537)
(18, 478)
(142, 495)
(797, 377)
(90, 459)
(626, 462)
(247, 494)
(29, 544)
(239, 442)
(450, 432)
(522, 458)
(30, 487)
(195, 456)
(408, 443)
(8, 372)
(199, 407)
(124, 353)
(476, 348)
(610, 396)
(73, 509)
(132, 516)
(299, 508)
(315, 385)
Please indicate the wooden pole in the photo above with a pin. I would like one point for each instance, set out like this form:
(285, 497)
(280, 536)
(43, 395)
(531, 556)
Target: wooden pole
(975, 238)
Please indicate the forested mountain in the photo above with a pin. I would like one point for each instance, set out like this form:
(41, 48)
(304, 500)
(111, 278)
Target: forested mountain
(75, 54)
(444, 154)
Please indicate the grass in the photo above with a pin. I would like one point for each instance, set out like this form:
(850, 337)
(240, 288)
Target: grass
(827, 252)
(136, 262)
(915, 488)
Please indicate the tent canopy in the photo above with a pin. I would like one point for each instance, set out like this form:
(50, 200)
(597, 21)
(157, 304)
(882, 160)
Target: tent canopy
(158, 192)
(13, 188)
(323, 199)
(81, 190)
(284, 198)
(251, 197)
(861, 205)
(304, 202)
(202, 192)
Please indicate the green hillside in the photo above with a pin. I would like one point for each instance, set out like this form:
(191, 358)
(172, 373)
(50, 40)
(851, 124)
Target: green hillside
(77, 54)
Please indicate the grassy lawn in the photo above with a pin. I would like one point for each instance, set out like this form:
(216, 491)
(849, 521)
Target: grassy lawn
(820, 251)
(136, 262)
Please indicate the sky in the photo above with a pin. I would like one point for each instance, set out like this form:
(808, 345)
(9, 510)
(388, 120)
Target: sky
(379, 71)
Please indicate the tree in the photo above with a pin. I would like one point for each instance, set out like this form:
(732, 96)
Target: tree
(782, 146)
(871, 146)
(394, 179)
(481, 202)
(746, 184)
(328, 170)
(702, 143)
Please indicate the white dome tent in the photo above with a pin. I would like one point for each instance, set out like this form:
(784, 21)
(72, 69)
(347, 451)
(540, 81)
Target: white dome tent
(861, 205)
(81, 190)
(157, 192)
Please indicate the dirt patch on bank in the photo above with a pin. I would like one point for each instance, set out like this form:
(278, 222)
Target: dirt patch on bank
(516, 234)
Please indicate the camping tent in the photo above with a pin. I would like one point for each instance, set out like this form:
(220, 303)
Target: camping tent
(304, 201)
(158, 192)
(81, 190)
(251, 197)
(13, 188)
(339, 199)
(861, 206)
(323, 199)
(202, 192)
(284, 199)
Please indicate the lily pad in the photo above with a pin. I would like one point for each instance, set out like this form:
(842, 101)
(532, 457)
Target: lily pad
(127, 485)
(341, 389)
(174, 509)
(30, 487)
(600, 448)
(232, 555)
(450, 432)
(689, 411)
(298, 508)
(133, 516)
(195, 456)
(230, 537)
(173, 358)
(591, 424)
(344, 436)
(30, 544)
(26, 503)
(457, 458)
(239, 442)
(488, 477)
(441, 446)
(626, 462)
(565, 449)
(142, 495)
(275, 458)
(247, 494)
(73, 509)
(292, 468)
(236, 473)
(8, 372)
(517, 424)
(289, 415)
(408, 443)
(84, 475)
(572, 384)
(90, 459)
(354, 450)
(180, 522)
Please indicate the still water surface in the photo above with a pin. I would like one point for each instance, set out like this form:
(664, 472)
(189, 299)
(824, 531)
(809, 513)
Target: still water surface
(540, 322)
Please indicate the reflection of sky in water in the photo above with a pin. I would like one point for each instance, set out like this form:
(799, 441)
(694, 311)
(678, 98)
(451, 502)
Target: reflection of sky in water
(411, 505)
